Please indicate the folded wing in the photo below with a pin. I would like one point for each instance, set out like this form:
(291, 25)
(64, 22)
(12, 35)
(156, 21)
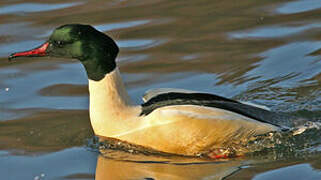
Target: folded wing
(169, 97)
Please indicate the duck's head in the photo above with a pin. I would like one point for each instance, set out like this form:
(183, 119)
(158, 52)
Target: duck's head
(95, 50)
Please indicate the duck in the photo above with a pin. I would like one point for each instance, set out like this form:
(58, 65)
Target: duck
(174, 121)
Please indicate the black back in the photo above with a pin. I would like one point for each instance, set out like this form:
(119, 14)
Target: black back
(211, 100)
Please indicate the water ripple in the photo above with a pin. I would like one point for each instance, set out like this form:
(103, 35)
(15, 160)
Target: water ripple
(138, 44)
(299, 6)
(291, 59)
(273, 31)
(300, 171)
(34, 7)
(121, 25)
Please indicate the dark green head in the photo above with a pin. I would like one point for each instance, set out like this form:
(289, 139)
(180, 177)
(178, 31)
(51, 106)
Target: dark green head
(95, 50)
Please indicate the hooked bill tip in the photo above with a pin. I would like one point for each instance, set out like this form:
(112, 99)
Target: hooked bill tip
(12, 56)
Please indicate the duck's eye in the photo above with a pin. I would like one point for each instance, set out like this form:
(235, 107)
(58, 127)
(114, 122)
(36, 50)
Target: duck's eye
(59, 43)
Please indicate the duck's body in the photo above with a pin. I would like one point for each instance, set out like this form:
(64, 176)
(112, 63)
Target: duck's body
(180, 129)
(180, 122)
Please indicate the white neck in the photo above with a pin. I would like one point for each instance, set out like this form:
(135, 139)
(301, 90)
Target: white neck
(110, 105)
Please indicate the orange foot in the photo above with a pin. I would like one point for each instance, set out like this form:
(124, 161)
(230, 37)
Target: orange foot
(222, 154)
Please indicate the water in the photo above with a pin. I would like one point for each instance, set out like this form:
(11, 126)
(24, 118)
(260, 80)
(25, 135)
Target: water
(259, 51)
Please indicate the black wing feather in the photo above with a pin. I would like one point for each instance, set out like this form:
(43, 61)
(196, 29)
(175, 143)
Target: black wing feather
(211, 100)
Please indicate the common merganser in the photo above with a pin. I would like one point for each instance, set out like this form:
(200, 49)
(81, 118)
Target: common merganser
(170, 120)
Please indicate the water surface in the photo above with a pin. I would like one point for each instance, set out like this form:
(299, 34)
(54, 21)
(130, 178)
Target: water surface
(266, 52)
